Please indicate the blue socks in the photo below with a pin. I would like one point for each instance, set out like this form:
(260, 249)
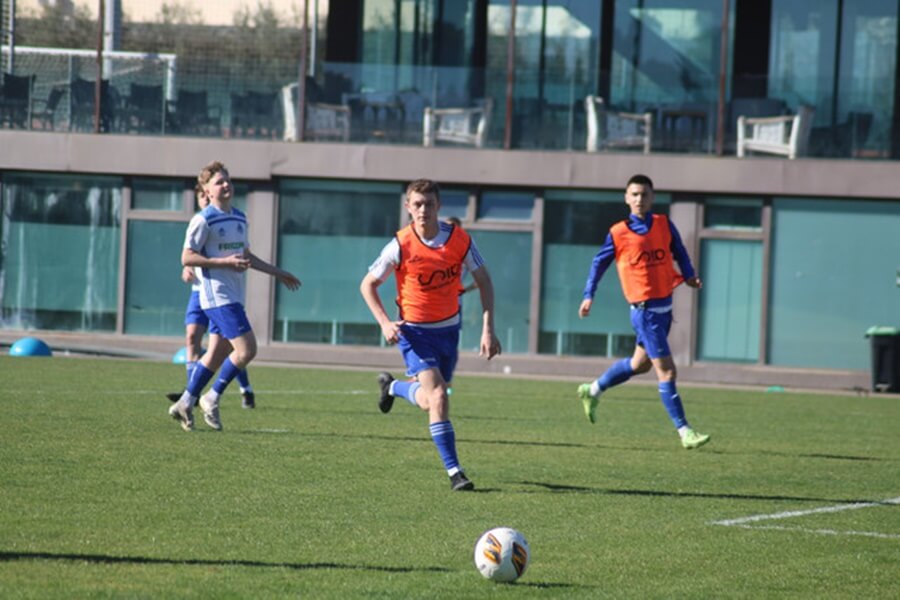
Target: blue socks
(189, 367)
(445, 440)
(405, 389)
(227, 372)
(200, 376)
(243, 379)
(441, 433)
(672, 401)
(620, 372)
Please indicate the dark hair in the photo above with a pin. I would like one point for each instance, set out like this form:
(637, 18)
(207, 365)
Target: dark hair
(424, 187)
(640, 180)
(454, 221)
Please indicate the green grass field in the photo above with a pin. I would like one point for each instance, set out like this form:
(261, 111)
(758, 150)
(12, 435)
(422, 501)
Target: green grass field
(315, 494)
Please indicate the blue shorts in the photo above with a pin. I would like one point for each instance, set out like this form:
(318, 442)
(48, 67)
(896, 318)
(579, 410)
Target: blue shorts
(194, 315)
(229, 321)
(424, 349)
(652, 329)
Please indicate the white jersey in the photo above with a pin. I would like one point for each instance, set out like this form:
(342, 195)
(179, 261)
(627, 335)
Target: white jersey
(216, 234)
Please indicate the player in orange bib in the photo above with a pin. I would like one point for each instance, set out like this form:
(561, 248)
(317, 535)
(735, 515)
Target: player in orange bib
(428, 258)
(645, 248)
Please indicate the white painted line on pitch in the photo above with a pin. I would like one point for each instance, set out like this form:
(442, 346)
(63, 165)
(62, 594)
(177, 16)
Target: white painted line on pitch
(801, 513)
(272, 430)
(874, 534)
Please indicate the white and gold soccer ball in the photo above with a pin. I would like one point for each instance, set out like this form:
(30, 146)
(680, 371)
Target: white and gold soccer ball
(502, 554)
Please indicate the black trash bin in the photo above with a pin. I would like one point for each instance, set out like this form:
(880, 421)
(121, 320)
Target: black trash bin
(885, 358)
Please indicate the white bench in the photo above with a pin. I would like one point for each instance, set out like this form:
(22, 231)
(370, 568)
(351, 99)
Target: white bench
(467, 126)
(785, 135)
(607, 129)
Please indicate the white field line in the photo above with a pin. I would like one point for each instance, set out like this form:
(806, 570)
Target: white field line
(874, 534)
(744, 522)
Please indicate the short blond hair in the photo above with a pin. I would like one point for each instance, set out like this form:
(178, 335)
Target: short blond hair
(207, 172)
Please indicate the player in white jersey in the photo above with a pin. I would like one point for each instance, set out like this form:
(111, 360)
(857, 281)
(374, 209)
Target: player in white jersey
(216, 245)
(196, 324)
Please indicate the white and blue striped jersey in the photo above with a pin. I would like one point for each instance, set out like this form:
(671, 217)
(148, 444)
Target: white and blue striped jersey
(216, 234)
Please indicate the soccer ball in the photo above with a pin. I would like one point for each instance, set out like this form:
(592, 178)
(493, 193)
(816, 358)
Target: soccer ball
(502, 554)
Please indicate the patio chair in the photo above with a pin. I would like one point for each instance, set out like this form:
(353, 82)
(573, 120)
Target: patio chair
(190, 114)
(145, 108)
(784, 135)
(44, 111)
(254, 114)
(613, 130)
(465, 126)
(16, 101)
(323, 121)
(81, 111)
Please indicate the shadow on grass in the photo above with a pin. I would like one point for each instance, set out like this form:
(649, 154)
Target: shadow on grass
(144, 560)
(562, 488)
(502, 442)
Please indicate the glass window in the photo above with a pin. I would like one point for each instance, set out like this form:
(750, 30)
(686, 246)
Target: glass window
(802, 54)
(454, 203)
(503, 254)
(833, 276)
(240, 195)
(665, 51)
(733, 213)
(730, 301)
(868, 65)
(557, 56)
(157, 194)
(506, 205)
(155, 295)
(329, 234)
(575, 226)
(68, 277)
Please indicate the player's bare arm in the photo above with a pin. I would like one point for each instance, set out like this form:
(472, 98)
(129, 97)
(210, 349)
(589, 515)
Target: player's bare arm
(369, 290)
(490, 345)
(285, 277)
(192, 258)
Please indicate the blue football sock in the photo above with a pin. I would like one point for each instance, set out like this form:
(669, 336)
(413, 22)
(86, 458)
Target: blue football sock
(243, 379)
(226, 373)
(406, 389)
(445, 441)
(672, 401)
(199, 378)
(189, 367)
(619, 372)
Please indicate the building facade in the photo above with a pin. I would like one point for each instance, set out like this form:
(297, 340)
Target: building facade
(799, 256)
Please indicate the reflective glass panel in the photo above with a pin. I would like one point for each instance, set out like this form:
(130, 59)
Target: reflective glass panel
(733, 213)
(730, 300)
(506, 205)
(834, 277)
(157, 194)
(155, 295)
(60, 252)
(503, 254)
(329, 234)
(576, 224)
